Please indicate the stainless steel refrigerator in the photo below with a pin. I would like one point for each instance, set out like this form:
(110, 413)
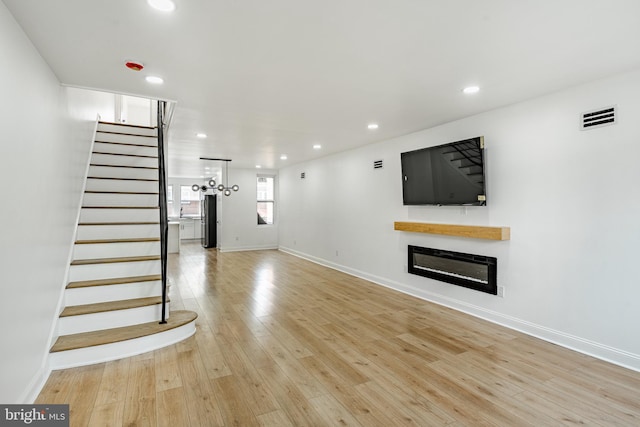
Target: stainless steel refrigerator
(209, 222)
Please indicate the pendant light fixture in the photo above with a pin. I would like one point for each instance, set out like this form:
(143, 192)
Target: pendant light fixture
(203, 188)
(226, 190)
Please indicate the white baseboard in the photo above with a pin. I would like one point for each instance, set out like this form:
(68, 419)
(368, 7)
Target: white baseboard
(600, 351)
(35, 386)
(247, 248)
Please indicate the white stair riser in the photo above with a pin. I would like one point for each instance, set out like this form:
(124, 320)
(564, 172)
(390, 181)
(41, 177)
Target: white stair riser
(119, 215)
(103, 147)
(122, 185)
(118, 350)
(114, 250)
(109, 319)
(129, 139)
(117, 160)
(96, 294)
(92, 232)
(113, 172)
(101, 199)
(113, 270)
(105, 127)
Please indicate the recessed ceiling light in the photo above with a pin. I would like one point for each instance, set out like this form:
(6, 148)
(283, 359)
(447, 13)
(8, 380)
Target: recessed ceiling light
(471, 89)
(283, 157)
(162, 5)
(201, 135)
(258, 166)
(317, 146)
(154, 80)
(373, 126)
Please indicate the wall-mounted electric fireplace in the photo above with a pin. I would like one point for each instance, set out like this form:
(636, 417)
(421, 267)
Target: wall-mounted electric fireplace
(471, 271)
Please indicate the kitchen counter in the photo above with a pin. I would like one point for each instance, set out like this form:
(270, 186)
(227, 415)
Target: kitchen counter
(173, 240)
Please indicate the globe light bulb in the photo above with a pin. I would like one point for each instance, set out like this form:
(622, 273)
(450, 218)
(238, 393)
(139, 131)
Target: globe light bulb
(235, 188)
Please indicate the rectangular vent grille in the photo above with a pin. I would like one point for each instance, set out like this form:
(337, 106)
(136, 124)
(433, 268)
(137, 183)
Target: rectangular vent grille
(597, 118)
(377, 164)
(302, 175)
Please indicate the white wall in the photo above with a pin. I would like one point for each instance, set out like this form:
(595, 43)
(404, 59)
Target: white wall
(569, 196)
(238, 215)
(86, 104)
(46, 135)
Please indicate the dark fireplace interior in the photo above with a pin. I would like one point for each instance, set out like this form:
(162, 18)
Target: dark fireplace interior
(471, 271)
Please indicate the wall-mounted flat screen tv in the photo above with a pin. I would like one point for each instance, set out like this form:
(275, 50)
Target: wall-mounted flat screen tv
(448, 174)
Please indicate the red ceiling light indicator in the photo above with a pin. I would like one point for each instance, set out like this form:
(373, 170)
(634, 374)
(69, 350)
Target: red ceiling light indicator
(135, 66)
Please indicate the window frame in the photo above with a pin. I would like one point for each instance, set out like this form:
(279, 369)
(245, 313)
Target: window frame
(188, 202)
(266, 200)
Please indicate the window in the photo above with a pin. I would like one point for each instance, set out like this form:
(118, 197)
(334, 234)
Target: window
(171, 208)
(189, 201)
(265, 197)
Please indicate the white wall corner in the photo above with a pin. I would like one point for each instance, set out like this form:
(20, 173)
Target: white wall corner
(34, 388)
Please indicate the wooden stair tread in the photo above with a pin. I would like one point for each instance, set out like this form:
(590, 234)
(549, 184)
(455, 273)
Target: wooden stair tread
(122, 179)
(125, 134)
(120, 223)
(109, 336)
(120, 207)
(126, 125)
(101, 307)
(115, 281)
(126, 154)
(125, 143)
(122, 166)
(132, 240)
(114, 260)
(120, 192)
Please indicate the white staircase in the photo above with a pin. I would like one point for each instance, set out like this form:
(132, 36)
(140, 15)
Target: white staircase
(113, 301)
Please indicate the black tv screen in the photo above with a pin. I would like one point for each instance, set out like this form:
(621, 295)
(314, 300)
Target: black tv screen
(448, 174)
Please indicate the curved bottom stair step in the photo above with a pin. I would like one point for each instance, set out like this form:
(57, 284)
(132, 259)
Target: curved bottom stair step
(108, 336)
(111, 344)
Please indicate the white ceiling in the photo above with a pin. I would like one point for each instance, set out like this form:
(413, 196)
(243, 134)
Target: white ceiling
(268, 77)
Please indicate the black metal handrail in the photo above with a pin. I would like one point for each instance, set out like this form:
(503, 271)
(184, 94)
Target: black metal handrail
(164, 220)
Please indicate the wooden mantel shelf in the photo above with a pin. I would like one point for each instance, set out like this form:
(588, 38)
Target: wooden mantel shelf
(472, 231)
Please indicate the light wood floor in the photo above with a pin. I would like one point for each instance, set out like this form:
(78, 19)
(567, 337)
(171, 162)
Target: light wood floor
(284, 342)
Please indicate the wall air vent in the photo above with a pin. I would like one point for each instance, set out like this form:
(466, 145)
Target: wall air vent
(302, 175)
(377, 164)
(598, 118)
